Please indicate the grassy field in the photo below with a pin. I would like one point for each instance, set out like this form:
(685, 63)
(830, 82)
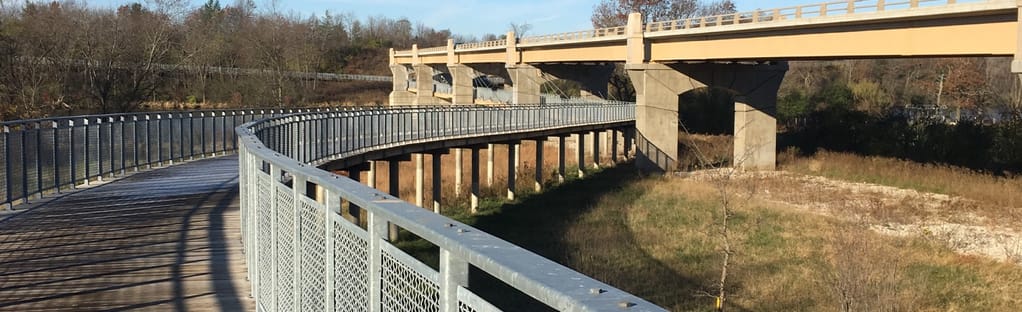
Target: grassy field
(657, 238)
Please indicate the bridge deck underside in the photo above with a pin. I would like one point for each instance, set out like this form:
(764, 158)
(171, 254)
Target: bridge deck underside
(165, 239)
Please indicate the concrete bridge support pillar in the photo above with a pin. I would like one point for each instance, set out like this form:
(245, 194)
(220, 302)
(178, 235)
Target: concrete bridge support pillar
(597, 152)
(424, 85)
(399, 94)
(420, 173)
(437, 180)
(458, 165)
(371, 179)
(539, 164)
(355, 173)
(526, 80)
(581, 153)
(512, 166)
(613, 145)
(463, 92)
(489, 165)
(658, 87)
(561, 159)
(474, 160)
(394, 187)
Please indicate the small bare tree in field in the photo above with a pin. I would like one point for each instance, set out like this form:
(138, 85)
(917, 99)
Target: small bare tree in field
(732, 193)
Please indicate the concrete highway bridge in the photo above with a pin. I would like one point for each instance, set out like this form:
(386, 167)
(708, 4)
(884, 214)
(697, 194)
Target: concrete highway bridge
(745, 53)
(266, 209)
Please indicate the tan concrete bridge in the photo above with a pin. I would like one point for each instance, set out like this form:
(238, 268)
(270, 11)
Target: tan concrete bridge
(743, 52)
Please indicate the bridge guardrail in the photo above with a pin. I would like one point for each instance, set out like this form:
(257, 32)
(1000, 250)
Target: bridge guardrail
(52, 155)
(303, 255)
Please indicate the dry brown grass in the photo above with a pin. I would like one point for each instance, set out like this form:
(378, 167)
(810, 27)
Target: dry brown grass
(995, 198)
(655, 237)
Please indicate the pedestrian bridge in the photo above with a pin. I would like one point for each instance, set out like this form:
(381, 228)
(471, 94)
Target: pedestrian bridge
(173, 211)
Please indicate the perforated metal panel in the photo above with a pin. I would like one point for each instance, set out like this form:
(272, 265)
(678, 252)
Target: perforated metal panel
(351, 266)
(264, 221)
(313, 259)
(408, 285)
(285, 255)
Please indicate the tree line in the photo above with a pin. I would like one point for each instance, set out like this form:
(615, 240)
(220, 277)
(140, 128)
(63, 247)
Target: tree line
(65, 57)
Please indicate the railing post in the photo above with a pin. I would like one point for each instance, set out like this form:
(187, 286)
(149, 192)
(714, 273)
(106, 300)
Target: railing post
(39, 158)
(332, 203)
(823, 9)
(202, 133)
(453, 274)
(110, 141)
(9, 203)
(71, 148)
(798, 12)
(298, 192)
(56, 156)
(913, 3)
(377, 229)
(135, 141)
(124, 144)
(148, 142)
(159, 139)
(85, 122)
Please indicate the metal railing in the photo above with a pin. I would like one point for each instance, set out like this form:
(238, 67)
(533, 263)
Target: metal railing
(304, 256)
(53, 155)
(826, 9)
(832, 8)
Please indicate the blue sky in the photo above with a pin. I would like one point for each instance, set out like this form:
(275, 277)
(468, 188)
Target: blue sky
(470, 17)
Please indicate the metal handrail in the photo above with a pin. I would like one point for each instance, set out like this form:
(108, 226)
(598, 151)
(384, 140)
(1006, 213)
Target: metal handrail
(54, 155)
(303, 254)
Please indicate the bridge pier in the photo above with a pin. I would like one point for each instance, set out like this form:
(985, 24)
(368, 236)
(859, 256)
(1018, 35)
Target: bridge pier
(580, 151)
(418, 158)
(561, 157)
(423, 85)
(539, 164)
(474, 163)
(512, 167)
(399, 94)
(658, 87)
(526, 82)
(489, 165)
(458, 165)
(462, 88)
(597, 152)
(437, 179)
(394, 187)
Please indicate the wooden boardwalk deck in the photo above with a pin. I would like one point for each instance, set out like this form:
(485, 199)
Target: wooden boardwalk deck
(162, 240)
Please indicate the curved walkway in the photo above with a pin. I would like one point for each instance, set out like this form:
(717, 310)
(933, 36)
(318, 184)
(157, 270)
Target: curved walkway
(165, 240)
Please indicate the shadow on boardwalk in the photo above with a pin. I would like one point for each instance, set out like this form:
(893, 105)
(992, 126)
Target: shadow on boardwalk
(166, 239)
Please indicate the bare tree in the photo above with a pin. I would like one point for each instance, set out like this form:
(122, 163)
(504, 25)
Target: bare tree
(521, 29)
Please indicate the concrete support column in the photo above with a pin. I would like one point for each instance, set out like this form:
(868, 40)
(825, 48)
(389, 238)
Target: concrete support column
(463, 93)
(526, 80)
(539, 165)
(458, 164)
(437, 181)
(657, 88)
(355, 173)
(371, 178)
(474, 160)
(581, 153)
(394, 183)
(755, 134)
(512, 174)
(613, 146)
(419, 160)
(560, 159)
(424, 85)
(518, 157)
(597, 152)
(489, 165)
(399, 95)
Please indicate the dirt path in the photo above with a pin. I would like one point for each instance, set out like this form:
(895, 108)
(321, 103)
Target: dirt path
(964, 225)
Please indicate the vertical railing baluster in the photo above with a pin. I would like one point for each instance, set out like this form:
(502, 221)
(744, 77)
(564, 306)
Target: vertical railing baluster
(71, 147)
(159, 139)
(202, 133)
(124, 144)
(56, 156)
(85, 143)
(39, 157)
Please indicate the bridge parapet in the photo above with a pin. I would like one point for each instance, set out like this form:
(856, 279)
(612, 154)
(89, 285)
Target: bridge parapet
(303, 254)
